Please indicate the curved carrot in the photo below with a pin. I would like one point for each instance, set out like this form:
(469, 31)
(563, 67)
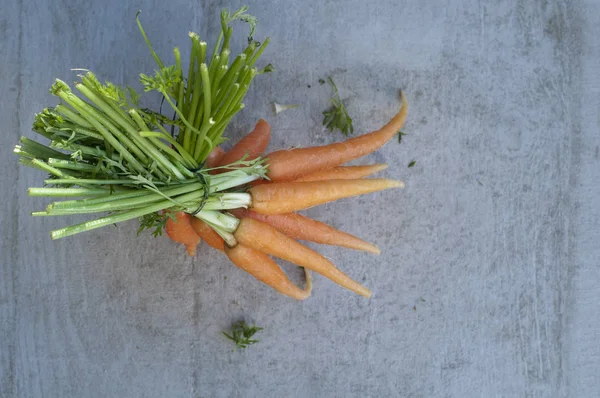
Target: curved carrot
(297, 226)
(344, 173)
(264, 238)
(287, 165)
(252, 145)
(287, 197)
(207, 234)
(263, 268)
(180, 230)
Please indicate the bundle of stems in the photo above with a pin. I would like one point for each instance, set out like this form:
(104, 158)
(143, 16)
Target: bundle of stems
(107, 154)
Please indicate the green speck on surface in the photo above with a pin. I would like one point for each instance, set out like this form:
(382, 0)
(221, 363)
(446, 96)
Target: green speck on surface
(400, 134)
(411, 164)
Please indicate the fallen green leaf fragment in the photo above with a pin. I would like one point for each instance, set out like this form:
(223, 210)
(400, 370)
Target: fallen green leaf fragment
(336, 117)
(411, 164)
(241, 334)
(400, 135)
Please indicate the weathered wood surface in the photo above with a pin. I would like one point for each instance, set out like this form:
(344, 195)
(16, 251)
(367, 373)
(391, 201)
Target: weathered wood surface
(488, 281)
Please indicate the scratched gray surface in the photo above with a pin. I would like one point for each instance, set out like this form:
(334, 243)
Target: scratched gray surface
(497, 231)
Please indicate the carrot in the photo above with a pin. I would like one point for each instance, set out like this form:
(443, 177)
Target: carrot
(344, 173)
(214, 158)
(286, 197)
(287, 165)
(264, 238)
(252, 145)
(300, 227)
(180, 230)
(263, 268)
(207, 234)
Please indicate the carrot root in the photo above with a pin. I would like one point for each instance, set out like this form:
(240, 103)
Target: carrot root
(343, 173)
(180, 230)
(299, 227)
(287, 197)
(251, 146)
(263, 268)
(207, 234)
(215, 157)
(288, 165)
(264, 238)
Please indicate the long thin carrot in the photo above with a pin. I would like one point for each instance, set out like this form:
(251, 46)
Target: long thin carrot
(252, 145)
(299, 227)
(287, 165)
(287, 197)
(207, 234)
(263, 268)
(266, 239)
(344, 173)
(180, 230)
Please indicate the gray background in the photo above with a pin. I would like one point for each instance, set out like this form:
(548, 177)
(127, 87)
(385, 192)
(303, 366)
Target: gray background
(497, 230)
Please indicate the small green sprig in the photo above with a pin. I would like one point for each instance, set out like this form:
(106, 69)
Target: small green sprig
(242, 333)
(337, 116)
(156, 221)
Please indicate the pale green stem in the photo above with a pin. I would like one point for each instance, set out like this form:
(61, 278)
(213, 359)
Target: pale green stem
(66, 192)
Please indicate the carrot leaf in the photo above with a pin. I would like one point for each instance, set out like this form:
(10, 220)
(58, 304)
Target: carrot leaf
(241, 334)
(337, 116)
(156, 221)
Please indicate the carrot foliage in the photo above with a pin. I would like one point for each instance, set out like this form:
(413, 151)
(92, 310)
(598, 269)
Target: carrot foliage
(242, 333)
(337, 116)
(106, 153)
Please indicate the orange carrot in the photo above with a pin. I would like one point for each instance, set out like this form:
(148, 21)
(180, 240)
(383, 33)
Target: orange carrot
(287, 197)
(344, 173)
(214, 158)
(263, 268)
(180, 230)
(253, 145)
(287, 165)
(299, 227)
(207, 234)
(264, 238)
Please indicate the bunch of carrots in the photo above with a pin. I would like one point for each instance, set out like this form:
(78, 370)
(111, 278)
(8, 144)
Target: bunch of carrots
(107, 154)
(297, 179)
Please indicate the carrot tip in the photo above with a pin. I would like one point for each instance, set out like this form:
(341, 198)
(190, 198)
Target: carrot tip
(374, 249)
(395, 184)
(191, 250)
